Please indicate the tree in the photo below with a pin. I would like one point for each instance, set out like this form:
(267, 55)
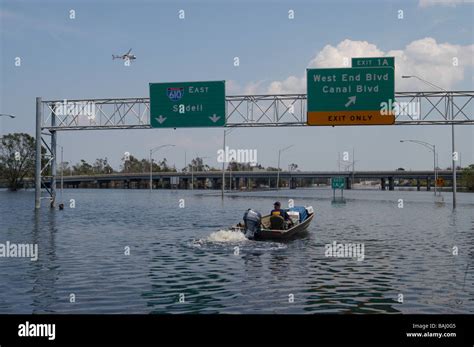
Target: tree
(292, 167)
(197, 164)
(83, 168)
(64, 168)
(164, 165)
(101, 166)
(234, 166)
(17, 159)
(468, 177)
(132, 165)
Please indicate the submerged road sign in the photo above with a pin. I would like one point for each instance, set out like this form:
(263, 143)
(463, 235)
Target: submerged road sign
(338, 182)
(187, 104)
(350, 96)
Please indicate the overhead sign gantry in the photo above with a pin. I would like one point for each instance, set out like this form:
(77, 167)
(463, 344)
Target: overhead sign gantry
(205, 104)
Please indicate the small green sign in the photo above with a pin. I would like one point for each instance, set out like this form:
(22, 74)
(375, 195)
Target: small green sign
(374, 62)
(338, 182)
(187, 104)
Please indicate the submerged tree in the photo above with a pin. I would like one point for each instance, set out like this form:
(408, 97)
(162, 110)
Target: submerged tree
(17, 159)
(468, 177)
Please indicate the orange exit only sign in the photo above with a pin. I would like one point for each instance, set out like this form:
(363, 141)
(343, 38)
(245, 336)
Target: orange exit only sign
(354, 117)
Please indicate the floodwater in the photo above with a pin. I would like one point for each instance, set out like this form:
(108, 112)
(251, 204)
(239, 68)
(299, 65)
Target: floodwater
(184, 260)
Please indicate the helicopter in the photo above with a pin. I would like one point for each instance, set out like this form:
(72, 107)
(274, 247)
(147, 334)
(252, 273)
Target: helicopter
(126, 56)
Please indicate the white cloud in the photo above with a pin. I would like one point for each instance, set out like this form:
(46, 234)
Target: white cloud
(432, 61)
(291, 85)
(252, 88)
(232, 87)
(425, 58)
(336, 56)
(451, 3)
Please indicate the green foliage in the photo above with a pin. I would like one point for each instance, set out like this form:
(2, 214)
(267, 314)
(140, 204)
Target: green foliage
(82, 168)
(234, 166)
(197, 164)
(17, 159)
(292, 167)
(468, 177)
(101, 167)
(134, 165)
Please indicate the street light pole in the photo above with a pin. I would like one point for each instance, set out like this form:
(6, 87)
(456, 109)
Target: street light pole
(223, 169)
(449, 108)
(353, 168)
(62, 172)
(230, 175)
(433, 149)
(278, 172)
(192, 170)
(153, 150)
(151, 171)
(435, 170)
(226, 131)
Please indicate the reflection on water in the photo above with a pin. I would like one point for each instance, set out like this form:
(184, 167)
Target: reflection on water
(187, 261)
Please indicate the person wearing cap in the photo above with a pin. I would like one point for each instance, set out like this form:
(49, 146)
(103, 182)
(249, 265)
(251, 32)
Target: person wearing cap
(277, 211)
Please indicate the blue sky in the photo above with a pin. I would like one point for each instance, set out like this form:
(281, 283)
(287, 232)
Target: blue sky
(65, 58)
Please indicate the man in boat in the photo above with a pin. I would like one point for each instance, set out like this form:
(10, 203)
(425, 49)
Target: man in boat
(252, 220)
(277, 211)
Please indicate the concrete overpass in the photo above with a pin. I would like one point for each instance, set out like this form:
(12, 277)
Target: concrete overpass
(254, 179)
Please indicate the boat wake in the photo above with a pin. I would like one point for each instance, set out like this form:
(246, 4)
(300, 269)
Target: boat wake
(227, 236)
(219, 239)
(228, 239)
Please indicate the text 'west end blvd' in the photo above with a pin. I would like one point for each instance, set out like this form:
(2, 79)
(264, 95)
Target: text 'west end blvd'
(367, 82)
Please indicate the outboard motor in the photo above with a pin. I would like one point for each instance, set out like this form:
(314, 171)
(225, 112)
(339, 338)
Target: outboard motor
(252, 220)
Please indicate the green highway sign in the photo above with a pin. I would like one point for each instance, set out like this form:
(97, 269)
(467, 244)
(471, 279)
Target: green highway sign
(187, 104)
(350, 96)
(338, 183)
(374, 62)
